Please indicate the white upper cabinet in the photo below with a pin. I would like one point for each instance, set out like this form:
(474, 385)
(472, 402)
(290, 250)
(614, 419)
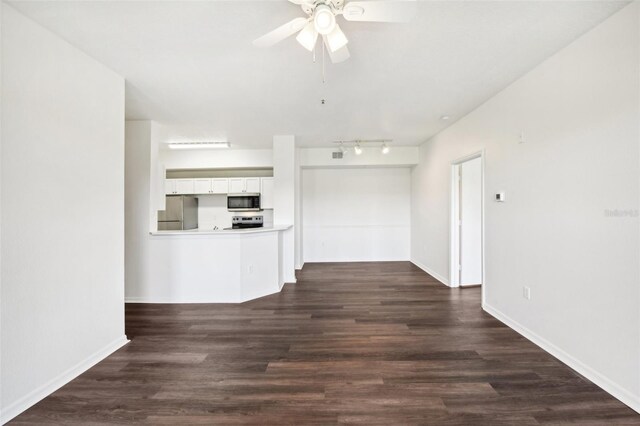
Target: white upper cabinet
(266, 193)
(220, 186)
(185, 186)
(239, 185)
(170, 186)
(236, 185)
(252, 185)
(211, 186)
(179, 186)
(215, 186)
(202, 186)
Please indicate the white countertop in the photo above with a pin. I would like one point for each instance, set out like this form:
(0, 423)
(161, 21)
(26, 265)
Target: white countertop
(223, 231)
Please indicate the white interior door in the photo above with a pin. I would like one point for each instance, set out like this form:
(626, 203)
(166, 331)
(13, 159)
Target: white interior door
(470, 207)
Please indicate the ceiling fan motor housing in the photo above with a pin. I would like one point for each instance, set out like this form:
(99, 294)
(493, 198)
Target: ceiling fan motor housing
(310, 7)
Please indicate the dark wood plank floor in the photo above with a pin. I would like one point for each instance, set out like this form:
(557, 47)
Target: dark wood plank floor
(369, 343)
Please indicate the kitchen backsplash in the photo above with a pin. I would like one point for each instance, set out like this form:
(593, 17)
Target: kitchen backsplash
(212, 212)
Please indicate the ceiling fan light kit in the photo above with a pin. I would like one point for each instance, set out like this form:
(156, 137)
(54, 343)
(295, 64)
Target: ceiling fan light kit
(308, 37)
(321, 20)
(324, 19)
(336, 39)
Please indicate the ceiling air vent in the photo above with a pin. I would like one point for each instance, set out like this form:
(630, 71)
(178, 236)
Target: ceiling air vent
(337, 155)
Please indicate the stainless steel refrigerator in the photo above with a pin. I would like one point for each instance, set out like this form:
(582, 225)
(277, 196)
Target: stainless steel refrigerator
(181, 213)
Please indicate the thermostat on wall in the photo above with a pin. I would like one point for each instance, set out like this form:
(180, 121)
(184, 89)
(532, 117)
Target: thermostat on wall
(500, 197)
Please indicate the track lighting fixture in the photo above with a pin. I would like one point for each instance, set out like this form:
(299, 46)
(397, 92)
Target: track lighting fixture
(357, 145)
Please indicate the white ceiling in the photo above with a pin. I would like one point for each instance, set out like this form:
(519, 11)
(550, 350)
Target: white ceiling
(192, 67)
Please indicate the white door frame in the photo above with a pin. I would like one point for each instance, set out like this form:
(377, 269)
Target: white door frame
(454, 228)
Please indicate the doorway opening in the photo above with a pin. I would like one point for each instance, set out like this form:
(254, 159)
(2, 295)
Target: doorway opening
(467, 221)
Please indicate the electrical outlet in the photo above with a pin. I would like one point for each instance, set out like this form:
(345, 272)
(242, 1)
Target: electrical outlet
(526, 292)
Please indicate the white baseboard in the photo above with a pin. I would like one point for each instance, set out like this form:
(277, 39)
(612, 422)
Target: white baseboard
(626, 397)
(163, 300)
(358, 260)
(152, 300)
(435, 275)
(56, 383)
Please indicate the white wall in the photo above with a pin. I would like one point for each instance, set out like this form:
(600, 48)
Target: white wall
(399, 156)
(139, 215)
(62, 213)
(356, 214)
(579, 112)
(214, 158)
(299, 258)
(284, 166)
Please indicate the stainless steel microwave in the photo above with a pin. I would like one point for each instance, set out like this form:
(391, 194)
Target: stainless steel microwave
(243, 202)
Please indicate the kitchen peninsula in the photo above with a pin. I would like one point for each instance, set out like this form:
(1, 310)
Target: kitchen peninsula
(225, 266)
(202, 261)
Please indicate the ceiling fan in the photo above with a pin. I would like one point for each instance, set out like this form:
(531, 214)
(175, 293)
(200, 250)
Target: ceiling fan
(321, 20)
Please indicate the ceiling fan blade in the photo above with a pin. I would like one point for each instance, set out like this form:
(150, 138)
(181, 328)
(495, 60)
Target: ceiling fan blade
(339, 55)
(380, 11)
(280, 33)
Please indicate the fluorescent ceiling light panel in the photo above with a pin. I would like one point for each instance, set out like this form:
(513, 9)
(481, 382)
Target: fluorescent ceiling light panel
(198, 145)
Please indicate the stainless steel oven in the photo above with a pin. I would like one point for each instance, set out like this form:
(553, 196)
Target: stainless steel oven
(243, 202)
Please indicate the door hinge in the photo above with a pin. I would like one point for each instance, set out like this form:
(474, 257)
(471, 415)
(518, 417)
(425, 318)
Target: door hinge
(459, 267)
